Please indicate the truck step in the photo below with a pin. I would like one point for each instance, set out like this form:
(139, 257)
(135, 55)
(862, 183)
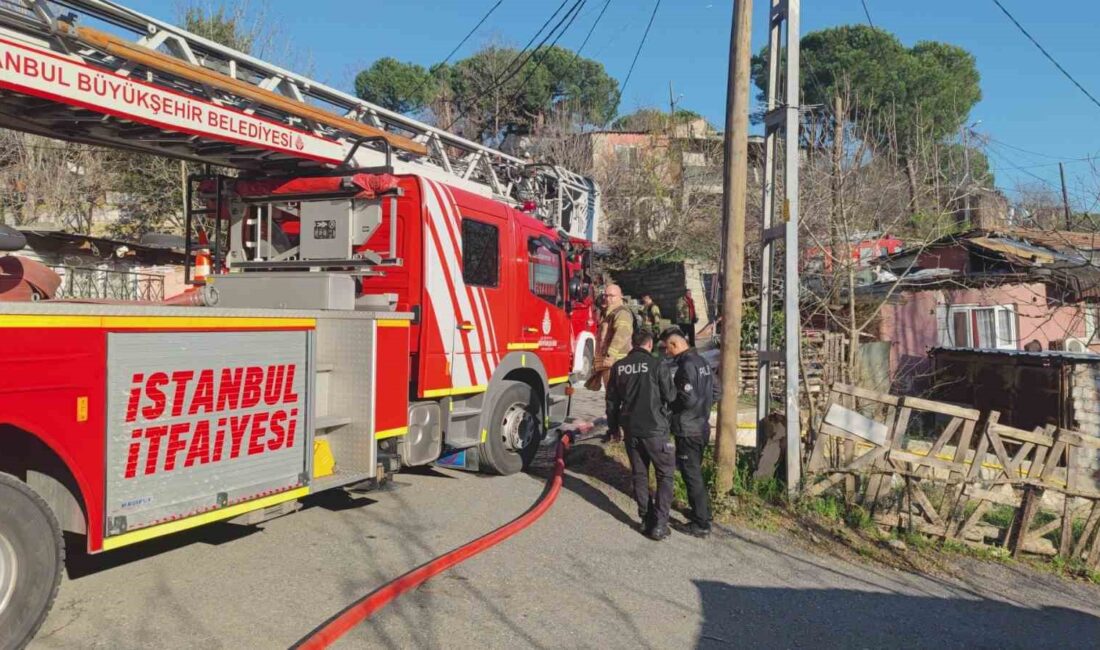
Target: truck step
(266, 514)
(463, 413)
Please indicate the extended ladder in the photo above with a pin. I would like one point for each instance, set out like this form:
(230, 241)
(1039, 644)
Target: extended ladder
(169, 92)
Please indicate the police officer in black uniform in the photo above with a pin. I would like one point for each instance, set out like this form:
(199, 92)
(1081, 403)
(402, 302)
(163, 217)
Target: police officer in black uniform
(638, 393)
(696, 392)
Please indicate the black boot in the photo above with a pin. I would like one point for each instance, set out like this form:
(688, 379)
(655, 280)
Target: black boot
(658, 532)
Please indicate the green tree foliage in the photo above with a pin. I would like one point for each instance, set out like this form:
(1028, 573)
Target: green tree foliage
(918, 93)
(496, 91)
(220, 24)
(398, 86)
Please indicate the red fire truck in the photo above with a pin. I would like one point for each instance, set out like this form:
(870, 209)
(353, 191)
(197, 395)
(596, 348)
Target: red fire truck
(384, 294)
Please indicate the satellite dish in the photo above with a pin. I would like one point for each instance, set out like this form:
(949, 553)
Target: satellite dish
(11, 239)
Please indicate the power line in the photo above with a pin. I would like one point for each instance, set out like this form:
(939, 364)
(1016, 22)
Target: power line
(1047, 182)
(577, 54)
(574, 11)
(471, 32)
(622, 91)
(867, 12)
(460, 44)
(1045, 53)
(1035, 153)
(512, 69)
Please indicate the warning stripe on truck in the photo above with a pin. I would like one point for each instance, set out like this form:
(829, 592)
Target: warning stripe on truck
(29, 321)
(125, 539)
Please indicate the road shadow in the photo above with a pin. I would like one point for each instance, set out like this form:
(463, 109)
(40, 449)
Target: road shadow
(759, 617)
(592, 460)
(596, 497)
(337, 500)
(79, 563)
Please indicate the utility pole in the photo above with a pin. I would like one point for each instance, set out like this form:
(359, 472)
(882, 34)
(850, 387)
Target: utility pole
(780, 226)
(1065, 196)
(734, 190)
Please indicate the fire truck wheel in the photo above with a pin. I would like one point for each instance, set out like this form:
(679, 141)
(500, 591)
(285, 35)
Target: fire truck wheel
(32, 557)
(589, 359)
(515, 430)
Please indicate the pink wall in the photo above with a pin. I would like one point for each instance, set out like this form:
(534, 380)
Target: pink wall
(912, 328)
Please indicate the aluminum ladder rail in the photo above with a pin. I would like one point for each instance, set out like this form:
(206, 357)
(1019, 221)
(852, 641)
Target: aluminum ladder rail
(780, 226)
(451, 158)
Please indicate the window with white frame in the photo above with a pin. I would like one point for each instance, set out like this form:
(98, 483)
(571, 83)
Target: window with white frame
(980, 326)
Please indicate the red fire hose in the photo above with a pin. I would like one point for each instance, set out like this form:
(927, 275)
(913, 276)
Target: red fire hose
(354, 614)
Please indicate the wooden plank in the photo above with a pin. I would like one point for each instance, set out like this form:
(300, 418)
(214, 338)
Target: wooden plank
(1056, 454)
(979, 457)
(863, 393)
(993, 497)
(1057, 522)
(941, 407)
(825, 484)
(916, 459)
(1068, 515)
(929, 510)
(817, 455)
(1079, 439)
(948, 433)
(1002, 454)
(974, 518)
(868, 459)
(1018, 538)
(831, 430)
(846, 459)
(1021, 454)
(856, 424)
(1019, 435)
(1093, 560)
(1089, 530)
(964, 440)
(1038, 462)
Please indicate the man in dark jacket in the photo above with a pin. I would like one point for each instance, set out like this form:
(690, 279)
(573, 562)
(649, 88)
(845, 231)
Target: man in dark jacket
(696, 392)
(638, 394)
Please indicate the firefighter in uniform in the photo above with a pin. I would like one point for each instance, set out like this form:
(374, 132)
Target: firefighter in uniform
(686, 317)
(613, 338)
(696, 392)
(637, 400)
(651, 313)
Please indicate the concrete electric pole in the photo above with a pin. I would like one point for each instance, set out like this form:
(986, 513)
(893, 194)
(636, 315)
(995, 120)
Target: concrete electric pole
(734, 186)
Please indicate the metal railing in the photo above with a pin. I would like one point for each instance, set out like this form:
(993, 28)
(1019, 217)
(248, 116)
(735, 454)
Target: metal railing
(108, 284)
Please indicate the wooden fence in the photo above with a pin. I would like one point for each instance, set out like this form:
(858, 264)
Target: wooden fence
(824, 363)
(939, 469)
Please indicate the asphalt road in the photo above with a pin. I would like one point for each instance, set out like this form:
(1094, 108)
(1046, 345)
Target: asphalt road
(580, 577)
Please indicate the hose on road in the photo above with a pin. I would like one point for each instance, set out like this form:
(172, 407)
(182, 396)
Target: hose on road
(354, 614)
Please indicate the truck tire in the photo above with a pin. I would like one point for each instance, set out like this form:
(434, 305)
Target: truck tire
(515, 430)
(32, 557)
(589, 360)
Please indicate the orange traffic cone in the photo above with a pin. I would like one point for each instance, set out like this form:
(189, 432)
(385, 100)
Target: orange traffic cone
(202, 259)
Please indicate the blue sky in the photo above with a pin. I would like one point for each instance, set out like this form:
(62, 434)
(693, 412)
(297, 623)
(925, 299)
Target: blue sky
(1027, 104)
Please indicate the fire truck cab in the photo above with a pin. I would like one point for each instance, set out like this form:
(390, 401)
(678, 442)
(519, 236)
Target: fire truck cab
(488, 286)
